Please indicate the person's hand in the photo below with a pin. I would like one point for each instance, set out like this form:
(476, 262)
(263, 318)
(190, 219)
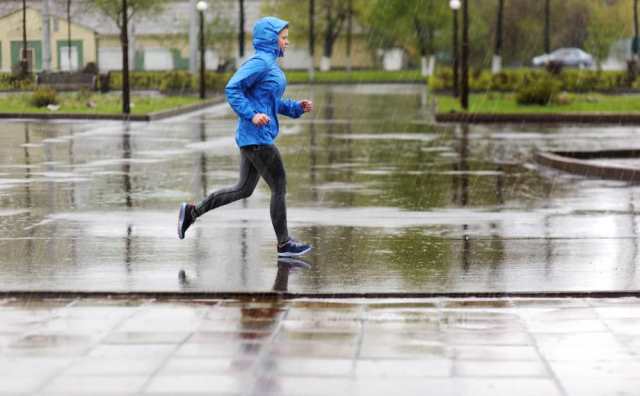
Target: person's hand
(260, 119)
(307, 105)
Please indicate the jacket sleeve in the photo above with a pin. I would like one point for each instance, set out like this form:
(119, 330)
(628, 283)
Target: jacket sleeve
(290, 108)
(250, 72)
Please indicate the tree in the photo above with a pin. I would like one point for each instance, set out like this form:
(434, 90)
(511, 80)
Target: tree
(241, 23)
(547, 26)
(496, 65)
(121, 12)
(69, 32)
(330, 23)
(636, 43)
(417, 26)
(336, 13)
(24, 62)
(601, 32)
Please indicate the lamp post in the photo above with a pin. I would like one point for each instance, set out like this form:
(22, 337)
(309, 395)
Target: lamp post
(202, 7)
(455, 6)
(464, 99)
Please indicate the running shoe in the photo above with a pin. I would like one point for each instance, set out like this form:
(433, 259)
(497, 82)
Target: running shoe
(293, 248)
(185, 218)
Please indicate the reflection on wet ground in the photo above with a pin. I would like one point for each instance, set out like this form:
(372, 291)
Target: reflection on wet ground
(391, 203)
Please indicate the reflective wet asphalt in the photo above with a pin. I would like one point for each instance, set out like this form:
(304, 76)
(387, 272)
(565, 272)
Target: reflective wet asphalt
(390, 201)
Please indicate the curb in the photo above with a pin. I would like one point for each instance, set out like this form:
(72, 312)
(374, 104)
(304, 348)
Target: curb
(116, 117)
(160, 295)
(574, 162)
(358, 82)
(591, 118)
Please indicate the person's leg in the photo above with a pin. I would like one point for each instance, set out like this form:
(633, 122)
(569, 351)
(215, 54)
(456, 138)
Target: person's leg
(244, 188)
(267, 161)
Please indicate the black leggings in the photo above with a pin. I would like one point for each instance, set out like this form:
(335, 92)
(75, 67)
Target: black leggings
(256, 161)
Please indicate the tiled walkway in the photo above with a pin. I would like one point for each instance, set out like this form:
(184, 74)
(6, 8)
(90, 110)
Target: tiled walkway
(319, 347)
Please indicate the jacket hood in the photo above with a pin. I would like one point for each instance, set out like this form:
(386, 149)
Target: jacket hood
(265, 35)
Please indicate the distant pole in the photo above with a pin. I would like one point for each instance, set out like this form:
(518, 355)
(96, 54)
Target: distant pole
(496, 66)
(202, 60)
(126, 108)
(202, 7)
(312, 38)
(547, 26)
(635, 47)
(241, 31)
(24, 62)
(69, 32)
(465, 55)
(455, 5)
(349, 34)
(46, 36)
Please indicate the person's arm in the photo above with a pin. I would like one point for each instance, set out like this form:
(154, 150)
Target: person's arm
(243, 79)
(290, 108)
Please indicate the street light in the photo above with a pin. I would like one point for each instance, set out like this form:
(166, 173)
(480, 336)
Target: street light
(201, 6)
(455, 6)
(464, 97)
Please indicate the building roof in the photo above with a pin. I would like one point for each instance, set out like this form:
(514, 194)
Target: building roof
(174, 19)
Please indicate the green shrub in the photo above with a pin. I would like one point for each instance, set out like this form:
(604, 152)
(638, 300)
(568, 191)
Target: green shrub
(539, 92)
(177, 82)
(174, 82)
(9, 81)
(572, 80)
(44, 96)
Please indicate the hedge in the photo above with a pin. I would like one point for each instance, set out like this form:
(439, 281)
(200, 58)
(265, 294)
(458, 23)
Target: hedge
(8, 82)
(572, 80)
(172, 82)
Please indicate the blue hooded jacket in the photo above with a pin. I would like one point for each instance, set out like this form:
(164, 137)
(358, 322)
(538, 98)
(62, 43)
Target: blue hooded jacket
(257, 87)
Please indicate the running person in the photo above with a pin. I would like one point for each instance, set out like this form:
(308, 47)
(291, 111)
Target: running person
(255, 94)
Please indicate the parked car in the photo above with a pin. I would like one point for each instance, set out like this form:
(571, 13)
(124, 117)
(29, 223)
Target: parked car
(566, 56)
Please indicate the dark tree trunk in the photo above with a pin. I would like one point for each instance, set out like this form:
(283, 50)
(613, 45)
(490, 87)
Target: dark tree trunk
(312, 33)
(456, 53)
(547, 26)
(24, 62)
(328, 33)
(126, 109)
(636, 42)
(498, 49)
(69, 31)
(465, 55)
(349, 33)
(241, 29)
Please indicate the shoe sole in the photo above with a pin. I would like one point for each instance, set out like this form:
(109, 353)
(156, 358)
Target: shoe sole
(291, 262)
(287, 254)
(183, 209)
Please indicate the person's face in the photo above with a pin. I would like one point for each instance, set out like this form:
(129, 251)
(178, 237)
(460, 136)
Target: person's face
(283, 39)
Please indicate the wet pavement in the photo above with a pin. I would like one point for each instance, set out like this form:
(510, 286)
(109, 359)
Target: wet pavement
(475, 347)
(391, 202)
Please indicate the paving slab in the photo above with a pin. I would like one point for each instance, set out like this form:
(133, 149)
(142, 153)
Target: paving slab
(344, 351)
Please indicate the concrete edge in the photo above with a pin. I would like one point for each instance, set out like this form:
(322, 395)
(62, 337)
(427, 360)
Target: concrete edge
(591, 118)
(162, 295)
(354, 82)
(116, 117)
(185, 109)
(584, 168)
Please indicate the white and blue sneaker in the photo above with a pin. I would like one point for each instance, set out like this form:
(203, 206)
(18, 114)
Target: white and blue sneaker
(292, 248)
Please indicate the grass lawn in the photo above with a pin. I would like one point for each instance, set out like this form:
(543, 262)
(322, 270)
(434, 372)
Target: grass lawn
(577, 103)
(104, 103)
(356, 76)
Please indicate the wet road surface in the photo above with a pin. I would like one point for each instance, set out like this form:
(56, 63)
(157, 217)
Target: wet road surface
(391, 203)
